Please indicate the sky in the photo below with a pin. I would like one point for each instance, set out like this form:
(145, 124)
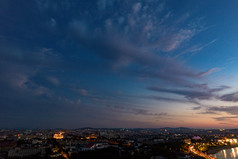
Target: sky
(118, 63)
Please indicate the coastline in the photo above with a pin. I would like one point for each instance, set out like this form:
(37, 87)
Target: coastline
(216, 150)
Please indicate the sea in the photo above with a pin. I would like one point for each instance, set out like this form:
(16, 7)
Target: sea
(231, 153)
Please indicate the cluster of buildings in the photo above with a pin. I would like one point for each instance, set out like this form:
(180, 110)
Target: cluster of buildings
(151, 143)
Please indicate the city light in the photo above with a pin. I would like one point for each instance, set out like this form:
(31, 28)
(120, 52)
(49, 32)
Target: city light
(59, 135)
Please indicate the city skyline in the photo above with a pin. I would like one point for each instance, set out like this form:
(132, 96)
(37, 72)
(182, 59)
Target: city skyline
(118, 64)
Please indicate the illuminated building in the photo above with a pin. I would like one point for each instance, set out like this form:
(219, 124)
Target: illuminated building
(187, 141)
(59, 136)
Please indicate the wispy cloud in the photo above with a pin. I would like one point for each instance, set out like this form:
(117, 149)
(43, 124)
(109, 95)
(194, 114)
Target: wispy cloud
(196, 108)
(54, 81)
(194, 93)
(227, 109)
(232, 111)
(159, 98)
(231, 97)
(135, 111)
(190, 94)
(136, 7)
(209, 71)
(224, 118)
(195, 48)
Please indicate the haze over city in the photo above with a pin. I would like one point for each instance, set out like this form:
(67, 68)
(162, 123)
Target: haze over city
(118, 64)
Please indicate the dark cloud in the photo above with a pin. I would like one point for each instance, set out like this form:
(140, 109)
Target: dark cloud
(135, 111)
(196, 108)
(227, 109)
(208, 112)
(218, 110)
(225, 118)
(190, 94)
(171, 99)
(232, 97)
(224, 123)
(165, 99)
(203, 92)
(220, 88)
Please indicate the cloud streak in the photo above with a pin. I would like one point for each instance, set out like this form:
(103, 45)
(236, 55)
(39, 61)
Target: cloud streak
(135, 111)
(209, 72)
(231, 97)
(201, 92)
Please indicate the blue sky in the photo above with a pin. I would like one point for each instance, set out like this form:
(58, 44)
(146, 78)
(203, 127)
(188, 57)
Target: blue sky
(115, 63)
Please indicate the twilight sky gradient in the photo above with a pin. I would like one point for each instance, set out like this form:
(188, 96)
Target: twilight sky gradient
(118, 63)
